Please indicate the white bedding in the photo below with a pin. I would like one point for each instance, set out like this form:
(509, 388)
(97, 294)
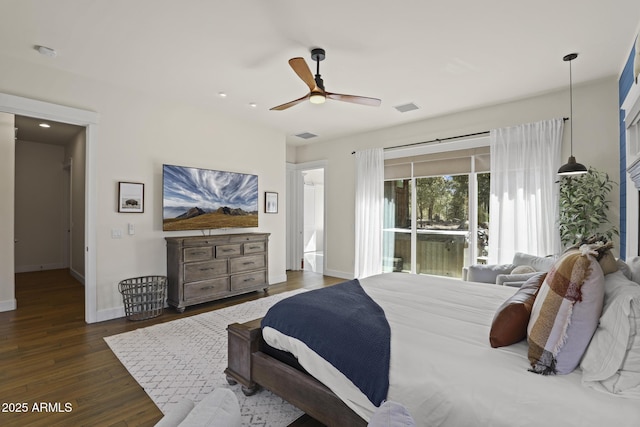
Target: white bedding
(446, 373)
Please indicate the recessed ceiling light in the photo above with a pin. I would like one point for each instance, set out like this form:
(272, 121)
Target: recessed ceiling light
(222, 94)
(253, 105)
(44, 125)
(47, 51)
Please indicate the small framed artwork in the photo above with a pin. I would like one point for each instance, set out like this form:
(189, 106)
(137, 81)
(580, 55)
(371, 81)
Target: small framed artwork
(131, 197)
(270, 202)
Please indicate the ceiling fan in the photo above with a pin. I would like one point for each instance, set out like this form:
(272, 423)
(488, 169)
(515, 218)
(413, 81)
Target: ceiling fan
(317, 94)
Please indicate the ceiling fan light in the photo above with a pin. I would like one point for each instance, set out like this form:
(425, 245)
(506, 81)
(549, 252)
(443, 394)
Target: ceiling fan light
(572, 168)
(317, 98)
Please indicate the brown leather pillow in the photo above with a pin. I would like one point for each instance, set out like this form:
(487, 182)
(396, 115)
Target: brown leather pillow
(510, 322)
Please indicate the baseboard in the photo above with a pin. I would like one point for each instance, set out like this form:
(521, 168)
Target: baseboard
(338, 274)
(115, 313)
(118, 312)
(79, 277)
(110, 314)
(38, 267)
(277, 279)
(8, 305)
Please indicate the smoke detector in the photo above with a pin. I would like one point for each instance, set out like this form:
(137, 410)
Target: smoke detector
(47, 51)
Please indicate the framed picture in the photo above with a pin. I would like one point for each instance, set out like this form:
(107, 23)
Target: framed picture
(270, 202)
(130, 197)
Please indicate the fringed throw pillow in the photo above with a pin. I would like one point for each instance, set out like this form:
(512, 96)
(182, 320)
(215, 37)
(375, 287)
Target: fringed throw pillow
(565, 313)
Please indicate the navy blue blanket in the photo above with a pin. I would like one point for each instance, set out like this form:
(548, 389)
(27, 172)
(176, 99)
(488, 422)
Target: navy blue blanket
(344, 326)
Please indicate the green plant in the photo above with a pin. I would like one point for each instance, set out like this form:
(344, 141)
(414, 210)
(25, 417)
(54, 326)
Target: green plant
(584, 207)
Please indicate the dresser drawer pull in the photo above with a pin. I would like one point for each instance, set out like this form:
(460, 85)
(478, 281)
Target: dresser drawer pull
(255, 247)
(228, 250)
(200, 253)
(250, 279)
(204, 288)
(207, 268)
(248, 263)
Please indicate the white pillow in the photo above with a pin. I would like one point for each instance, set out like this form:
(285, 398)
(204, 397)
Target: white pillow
(612, 360)
(176, 413)
(622, 266)
(537, 262)
(634, 266)
(487, 273)
(523, 269)
(219, 409)
(391, 414)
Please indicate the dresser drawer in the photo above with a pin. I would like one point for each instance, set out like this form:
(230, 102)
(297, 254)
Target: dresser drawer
(205, 289)
(253, 247)
(246, 263)
(198, 253)
(223, 251)
(244, 238)
(196, 271)
(248, 280)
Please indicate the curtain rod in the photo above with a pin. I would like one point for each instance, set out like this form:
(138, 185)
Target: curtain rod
(486, 132)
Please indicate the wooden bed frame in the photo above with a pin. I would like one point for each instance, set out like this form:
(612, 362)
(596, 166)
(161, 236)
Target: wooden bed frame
(253, 369)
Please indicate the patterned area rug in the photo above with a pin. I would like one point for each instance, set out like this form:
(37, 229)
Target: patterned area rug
(186, 358)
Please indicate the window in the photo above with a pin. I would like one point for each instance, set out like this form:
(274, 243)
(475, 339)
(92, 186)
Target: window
(436, 217)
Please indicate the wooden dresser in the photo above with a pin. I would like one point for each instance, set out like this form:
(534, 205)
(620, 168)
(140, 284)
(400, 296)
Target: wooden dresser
(207, 268)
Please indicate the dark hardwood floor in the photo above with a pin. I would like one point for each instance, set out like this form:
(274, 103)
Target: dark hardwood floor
(58, 370)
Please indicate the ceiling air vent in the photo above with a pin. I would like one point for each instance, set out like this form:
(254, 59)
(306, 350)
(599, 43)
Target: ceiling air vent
(306, 135)
(406, 107)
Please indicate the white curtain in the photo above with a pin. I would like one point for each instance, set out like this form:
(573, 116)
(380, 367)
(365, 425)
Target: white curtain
(523, 208)
(369, 204)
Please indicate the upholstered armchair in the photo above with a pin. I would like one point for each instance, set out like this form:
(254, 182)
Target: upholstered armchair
(523, 267)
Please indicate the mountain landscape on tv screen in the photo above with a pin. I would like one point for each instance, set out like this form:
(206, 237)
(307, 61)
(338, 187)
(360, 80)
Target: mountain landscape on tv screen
(195, 199)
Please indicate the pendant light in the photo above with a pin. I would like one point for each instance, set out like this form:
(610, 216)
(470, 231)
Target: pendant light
(571, 167)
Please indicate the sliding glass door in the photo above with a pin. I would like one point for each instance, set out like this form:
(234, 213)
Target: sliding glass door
(396, 236)
(436, 224)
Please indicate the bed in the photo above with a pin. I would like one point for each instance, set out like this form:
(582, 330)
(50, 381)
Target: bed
(442, 368)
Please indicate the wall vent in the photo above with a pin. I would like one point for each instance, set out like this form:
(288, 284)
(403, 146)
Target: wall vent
(306, 135)
(406, 107)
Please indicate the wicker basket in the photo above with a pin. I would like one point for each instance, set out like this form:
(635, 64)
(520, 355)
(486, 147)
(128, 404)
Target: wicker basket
(143, 297)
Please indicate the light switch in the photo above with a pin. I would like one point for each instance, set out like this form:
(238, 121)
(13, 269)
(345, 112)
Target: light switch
(132, 230)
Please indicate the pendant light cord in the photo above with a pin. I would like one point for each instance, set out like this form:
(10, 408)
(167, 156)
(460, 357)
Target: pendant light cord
(571, 106)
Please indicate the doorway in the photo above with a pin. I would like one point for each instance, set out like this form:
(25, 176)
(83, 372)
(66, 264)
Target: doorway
(89, 120)
(306, 217)
(47, 175)
(313, 220)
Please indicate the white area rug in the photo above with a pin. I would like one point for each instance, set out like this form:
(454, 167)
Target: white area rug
(186, 358)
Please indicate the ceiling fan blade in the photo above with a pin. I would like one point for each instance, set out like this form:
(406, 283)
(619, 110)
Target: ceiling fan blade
(362, 100)
(291, 104)
(301, 68)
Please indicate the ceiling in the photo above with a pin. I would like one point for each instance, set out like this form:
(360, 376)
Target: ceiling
(442, 56)
(29, 129)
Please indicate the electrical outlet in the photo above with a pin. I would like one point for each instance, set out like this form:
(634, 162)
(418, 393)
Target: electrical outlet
(116, 233)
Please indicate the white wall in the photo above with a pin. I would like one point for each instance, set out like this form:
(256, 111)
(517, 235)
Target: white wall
(75, 153)
(7, 179)
(41, 206)
(136, 134)
(313, 218)
(595, 141)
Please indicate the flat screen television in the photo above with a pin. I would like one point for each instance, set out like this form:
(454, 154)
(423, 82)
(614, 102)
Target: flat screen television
(200, 199)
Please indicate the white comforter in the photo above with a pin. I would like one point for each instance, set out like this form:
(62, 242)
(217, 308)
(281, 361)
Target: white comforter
(446, 373)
